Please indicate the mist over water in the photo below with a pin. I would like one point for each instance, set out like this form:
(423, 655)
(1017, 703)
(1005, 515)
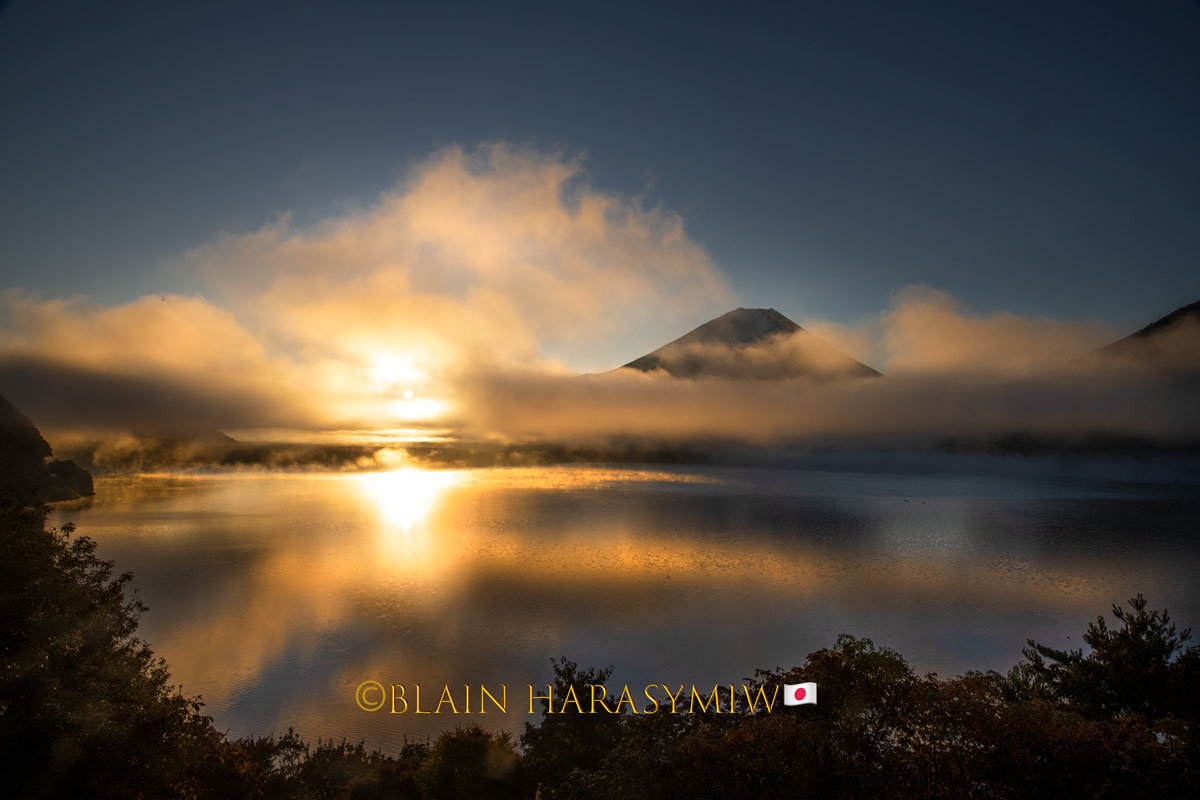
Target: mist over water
(273, 596)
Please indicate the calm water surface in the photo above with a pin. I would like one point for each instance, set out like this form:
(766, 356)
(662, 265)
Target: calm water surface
(274, 596)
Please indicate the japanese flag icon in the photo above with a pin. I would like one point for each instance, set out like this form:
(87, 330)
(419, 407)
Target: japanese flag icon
(799, 694)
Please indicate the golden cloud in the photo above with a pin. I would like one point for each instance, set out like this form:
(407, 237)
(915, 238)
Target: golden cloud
(456, 296)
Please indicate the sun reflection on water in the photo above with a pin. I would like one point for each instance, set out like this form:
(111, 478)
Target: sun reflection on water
(405, 500)
(406, 497)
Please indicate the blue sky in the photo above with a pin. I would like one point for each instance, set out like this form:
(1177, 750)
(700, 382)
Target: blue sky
(1033, 157)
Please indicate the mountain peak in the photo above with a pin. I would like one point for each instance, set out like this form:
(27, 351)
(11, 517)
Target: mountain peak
(755, 343)
(742, 326)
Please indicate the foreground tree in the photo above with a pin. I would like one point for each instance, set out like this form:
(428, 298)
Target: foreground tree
(882, 731)
(86, 710)
(563, 743)
(472, 762)
(1140, 667)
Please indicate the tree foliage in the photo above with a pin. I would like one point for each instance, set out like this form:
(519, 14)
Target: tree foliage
(1134, 668)
(86, 710)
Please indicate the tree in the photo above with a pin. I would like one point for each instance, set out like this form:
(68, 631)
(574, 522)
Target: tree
(570, 741)
(1134, 668)
(471, 762)
(86, 710)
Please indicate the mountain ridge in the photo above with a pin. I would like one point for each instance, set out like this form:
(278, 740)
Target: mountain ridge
(1171, 341)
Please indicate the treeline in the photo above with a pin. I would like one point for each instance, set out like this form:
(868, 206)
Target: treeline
(86, 710)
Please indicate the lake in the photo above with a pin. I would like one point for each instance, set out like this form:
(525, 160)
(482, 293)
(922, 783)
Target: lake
(275, 595)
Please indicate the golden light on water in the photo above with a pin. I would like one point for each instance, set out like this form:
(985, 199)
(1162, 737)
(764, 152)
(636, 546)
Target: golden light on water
(404, 500)
(405, 497)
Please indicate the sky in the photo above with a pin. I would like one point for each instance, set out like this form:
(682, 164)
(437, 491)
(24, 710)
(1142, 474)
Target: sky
(583, 181)
(1033, 157)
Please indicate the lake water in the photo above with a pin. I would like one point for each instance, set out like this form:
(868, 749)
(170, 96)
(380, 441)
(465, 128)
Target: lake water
(274, 596)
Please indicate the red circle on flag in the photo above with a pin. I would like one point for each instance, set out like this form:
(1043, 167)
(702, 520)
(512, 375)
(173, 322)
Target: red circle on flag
(800, 693)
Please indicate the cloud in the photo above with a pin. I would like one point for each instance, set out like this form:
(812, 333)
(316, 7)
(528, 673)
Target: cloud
(950, 374)
(158, 361)
(928, 331)
(497, 257)
(1069, 404)
(501, 255)
(456, 298)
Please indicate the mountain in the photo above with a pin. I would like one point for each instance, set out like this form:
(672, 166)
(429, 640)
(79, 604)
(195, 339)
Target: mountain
(1172, 342)
(754, 344)
(25, 475)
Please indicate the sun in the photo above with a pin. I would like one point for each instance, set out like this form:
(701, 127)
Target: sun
(397, 390)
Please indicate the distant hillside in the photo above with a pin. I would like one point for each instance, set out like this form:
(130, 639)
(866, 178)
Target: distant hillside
(753, 344)
(25, 474)
(1171, 342)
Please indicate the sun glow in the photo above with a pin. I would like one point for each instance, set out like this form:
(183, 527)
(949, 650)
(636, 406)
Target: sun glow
(389, 369)
(406, 497)
(403, 388)
(416, 410)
